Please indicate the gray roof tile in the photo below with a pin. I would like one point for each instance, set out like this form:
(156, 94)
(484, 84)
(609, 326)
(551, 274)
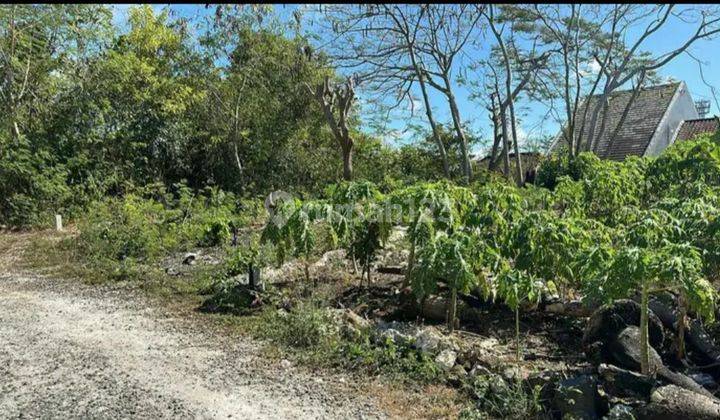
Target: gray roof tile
(635, 134)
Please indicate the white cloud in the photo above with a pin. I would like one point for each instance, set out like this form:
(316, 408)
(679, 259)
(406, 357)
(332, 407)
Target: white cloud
(590, 68)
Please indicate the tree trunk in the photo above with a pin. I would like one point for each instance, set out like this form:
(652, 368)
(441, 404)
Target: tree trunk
(517, 336)
(494, 157)
(644, 344)
(367, 269)
(306, 266)
(251, 277)
(506, 144)
(682, 319)
(411, 262)
(518, 158)
(452, 311)
(431, 120)
(347, 162)
(457, 123)
(600, 107)
(496, 135)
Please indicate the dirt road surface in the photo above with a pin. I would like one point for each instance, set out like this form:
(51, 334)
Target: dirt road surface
(73, 351)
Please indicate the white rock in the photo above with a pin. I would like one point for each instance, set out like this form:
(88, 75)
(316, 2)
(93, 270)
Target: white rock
(620, 412)
(446, 359)
(396, 336)
(189, 258)
(488, 344)
(285, 364)
(479, 370)
(428, 341)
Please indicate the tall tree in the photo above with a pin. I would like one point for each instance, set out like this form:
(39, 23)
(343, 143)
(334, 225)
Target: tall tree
(35, 41)
(380, 43)
(397, 47)
(337, 103)
(511, 27)
(445, 33)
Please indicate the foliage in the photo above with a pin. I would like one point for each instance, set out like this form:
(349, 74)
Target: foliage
(304, 327)
(495, 398)
(149, 223)
(678, 171)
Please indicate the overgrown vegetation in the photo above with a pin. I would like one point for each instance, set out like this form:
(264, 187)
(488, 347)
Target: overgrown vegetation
(154, 143)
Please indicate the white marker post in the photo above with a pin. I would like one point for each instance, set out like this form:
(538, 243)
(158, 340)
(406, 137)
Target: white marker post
(58, 223)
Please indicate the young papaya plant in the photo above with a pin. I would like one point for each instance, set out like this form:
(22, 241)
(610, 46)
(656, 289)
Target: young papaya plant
(353, 203)
(453, 258)
(291, 229)
(681, 270)
(371, 230)
(672, 266)
(516, 286)
(497, 206)
(276, 230)
(648, 260)
(547, 246)
(246, 258)
(426, 208)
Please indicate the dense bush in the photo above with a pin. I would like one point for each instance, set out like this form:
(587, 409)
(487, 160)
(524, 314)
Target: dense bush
(151, 222)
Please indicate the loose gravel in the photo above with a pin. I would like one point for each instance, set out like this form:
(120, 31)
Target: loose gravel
(69, 350)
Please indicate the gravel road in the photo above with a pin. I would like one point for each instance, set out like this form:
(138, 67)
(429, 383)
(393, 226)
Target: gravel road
(73, 351)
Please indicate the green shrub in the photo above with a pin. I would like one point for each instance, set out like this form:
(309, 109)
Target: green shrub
(495, 398)
(306, 327)
(120, 228)
(150, 222)
(31, 192)
(684, 165)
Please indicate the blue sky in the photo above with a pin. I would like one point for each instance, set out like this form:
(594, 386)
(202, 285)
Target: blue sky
(535, 122)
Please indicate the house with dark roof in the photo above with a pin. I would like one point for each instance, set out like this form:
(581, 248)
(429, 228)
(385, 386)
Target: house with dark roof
(690, 129)
(644, 126)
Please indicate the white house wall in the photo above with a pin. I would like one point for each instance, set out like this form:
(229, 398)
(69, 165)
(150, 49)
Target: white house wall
(681, 108)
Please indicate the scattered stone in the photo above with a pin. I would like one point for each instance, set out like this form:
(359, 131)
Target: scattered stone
(396, 336)
(624, 383)
(355, 319)
(488, 343)
(432, 341)
(209, 260)
(399, 332)
(428, 341)
(497, 384)
(579, 398)
(189, 258)
(446, 359)
(546, 380)
(579, 308)
(626, 351)
(479, 370)
(620, 412)
(285, 364)
(514, 374)
(673, 402)
(482, 352)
